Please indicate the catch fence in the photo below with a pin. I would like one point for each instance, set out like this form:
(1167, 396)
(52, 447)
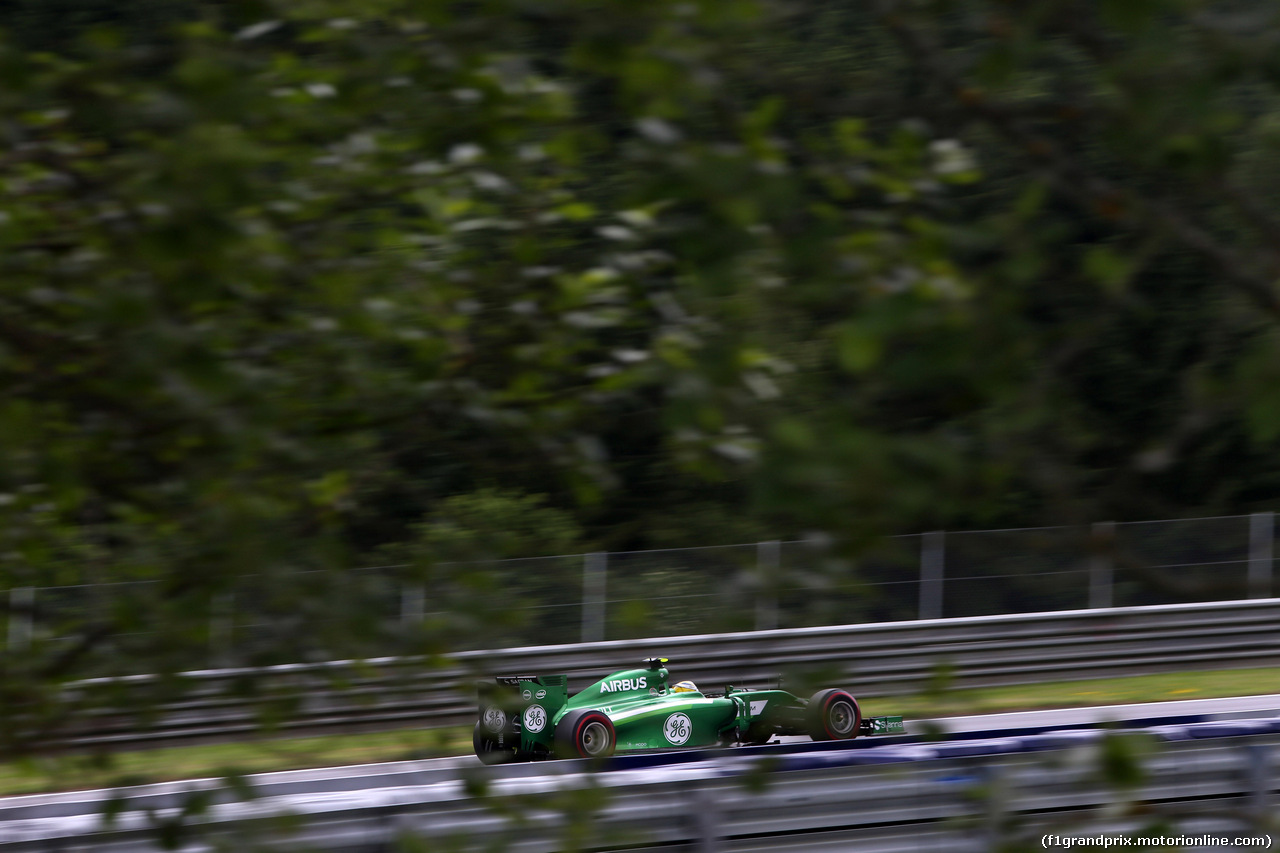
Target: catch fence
(622, 595)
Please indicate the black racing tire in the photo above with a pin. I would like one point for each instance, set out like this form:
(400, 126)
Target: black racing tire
(833, 715)
(585, 734)
(487, 749)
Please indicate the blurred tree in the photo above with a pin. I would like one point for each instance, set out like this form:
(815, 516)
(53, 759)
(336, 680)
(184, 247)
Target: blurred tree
(57, 25)
(496, 524)
(495, 568)
(1108, 360)
(275, 289)
(1124, 240)
(281, 279)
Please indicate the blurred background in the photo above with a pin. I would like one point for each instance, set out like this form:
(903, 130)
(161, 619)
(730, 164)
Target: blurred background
(405, 327)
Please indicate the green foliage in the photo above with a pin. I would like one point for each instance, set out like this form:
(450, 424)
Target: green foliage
(1083, 358)
(495, 524)
(465, 553)
(285, 285)
(1120, 760)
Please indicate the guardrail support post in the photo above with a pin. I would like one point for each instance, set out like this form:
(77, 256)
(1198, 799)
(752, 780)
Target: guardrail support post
(22, 601)
(594, 583)
(1261, 539)
(706, 822)
(997, 796)
(768, 559)
(932, 563)
(1259, 772)
(1102, 537)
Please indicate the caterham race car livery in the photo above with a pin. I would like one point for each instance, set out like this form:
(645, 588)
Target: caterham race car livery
(531, 717)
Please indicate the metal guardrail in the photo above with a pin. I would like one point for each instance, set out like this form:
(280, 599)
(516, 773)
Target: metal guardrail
(1217, 779)
(872, 659)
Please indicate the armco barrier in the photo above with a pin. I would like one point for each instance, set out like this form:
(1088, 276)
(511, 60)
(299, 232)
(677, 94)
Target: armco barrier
(871, 659)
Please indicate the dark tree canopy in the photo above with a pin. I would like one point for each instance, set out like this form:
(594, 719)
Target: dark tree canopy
(291, 287)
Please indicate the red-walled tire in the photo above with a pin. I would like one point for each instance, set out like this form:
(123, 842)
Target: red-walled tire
(585, 734)
(833, 715)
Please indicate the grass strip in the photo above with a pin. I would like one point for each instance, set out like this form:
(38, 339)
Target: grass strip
(72, 772)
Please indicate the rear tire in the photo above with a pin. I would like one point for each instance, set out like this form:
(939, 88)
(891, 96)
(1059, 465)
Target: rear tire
(487, 749)
(585, 734)
(833, 715)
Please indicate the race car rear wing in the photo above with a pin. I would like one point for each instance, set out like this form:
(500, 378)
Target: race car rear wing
(521, 707)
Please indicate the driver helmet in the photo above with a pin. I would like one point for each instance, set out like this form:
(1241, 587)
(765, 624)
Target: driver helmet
(684, 687)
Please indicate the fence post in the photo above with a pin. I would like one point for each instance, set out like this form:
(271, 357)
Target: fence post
(932, 563)
(22, 601)
(1102, 537)
(413, 604)
(1261, 538)
(594, 583)
(220, 615)
(768, 559)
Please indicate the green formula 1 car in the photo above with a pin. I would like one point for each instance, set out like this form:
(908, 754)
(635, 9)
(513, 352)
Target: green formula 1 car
(530, 717)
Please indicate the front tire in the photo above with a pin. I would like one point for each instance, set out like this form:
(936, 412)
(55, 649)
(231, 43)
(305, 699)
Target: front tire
(487, 749)
(833, 715)
(585, 734)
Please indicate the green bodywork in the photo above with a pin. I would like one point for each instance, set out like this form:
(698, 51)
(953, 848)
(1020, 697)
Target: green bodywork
(521, 713)
(646, 714)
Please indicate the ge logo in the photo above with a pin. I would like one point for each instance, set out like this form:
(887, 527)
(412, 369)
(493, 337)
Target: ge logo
(494, 719)
(535, 718)
(677, 729)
